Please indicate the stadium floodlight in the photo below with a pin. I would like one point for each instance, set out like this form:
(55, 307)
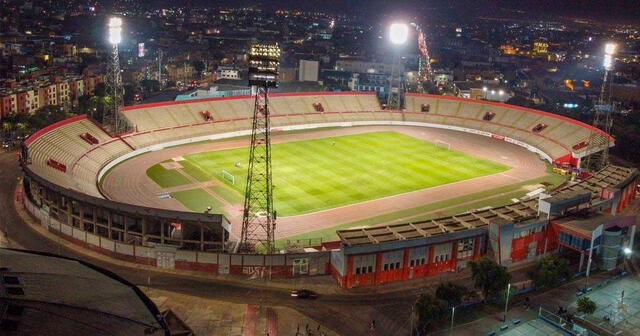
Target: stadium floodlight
(398, 33)
(264, 64)
(115, 30)
(610, 48)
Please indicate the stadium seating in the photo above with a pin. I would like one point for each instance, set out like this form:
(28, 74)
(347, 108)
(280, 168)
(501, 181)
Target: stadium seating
(71, 153)
(553, 134)
(60, 154)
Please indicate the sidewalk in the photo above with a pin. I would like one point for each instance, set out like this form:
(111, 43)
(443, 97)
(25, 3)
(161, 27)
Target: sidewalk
(549, 300)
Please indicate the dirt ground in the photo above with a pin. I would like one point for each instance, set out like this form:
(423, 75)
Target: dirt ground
(129, 183)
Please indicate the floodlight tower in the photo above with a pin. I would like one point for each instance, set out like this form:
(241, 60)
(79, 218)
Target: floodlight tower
(114, 87)
(259, 217)
(398, 35)
(597, 159)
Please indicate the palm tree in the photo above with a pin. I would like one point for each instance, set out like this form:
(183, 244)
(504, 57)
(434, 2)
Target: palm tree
(6, 127)
(6, 130)
(21, 128)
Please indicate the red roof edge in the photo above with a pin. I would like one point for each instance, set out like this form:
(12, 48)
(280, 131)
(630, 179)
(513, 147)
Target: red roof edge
(516, 107)
(51, 127)
(273, 95)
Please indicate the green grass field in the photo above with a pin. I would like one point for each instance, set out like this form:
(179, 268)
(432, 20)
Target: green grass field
(321, 174)
(166, 178)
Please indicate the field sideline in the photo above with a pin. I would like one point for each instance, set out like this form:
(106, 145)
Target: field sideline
(325, 173)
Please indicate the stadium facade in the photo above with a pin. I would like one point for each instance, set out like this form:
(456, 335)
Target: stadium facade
(65, 162)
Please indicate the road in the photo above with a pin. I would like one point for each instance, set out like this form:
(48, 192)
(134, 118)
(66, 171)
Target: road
(345, 314)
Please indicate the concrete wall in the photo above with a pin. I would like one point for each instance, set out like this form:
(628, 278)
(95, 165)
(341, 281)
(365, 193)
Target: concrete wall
(167, 256)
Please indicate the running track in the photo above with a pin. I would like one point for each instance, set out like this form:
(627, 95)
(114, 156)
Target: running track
(525, 165)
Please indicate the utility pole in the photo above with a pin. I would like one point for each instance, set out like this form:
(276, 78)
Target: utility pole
(160, 68)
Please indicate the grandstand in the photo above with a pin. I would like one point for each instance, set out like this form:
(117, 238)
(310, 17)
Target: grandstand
(66, 160)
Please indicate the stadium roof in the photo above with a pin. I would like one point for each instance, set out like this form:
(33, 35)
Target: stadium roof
(43, 294)
(610, 177)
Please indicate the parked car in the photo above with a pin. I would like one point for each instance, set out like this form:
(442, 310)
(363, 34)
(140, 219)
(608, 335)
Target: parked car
(304, 294)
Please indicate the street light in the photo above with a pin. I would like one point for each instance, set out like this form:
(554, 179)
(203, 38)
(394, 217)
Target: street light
(627, 251)
(506, 303)
(453, 313)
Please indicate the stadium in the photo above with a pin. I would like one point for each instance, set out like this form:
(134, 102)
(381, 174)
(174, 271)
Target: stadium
(366, 194)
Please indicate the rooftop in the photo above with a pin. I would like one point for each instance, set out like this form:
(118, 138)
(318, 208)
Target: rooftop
(610, 177)
(46, 294)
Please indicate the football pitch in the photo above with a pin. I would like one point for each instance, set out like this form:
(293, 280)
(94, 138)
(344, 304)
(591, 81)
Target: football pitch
(320, 174)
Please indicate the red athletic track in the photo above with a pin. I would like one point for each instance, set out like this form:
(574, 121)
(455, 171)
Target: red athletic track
(129, 183)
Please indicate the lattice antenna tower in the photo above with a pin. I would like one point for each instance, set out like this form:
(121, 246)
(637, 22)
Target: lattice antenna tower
(598, 149)
(259, 216)
(114, 86)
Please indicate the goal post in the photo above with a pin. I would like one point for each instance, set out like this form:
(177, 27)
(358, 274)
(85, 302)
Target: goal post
(229, 177)
(443, 144)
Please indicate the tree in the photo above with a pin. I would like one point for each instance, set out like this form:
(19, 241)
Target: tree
(429, 309)
(586, 305)
(150, 85)
(198, 66)
(100, 90)
(451, 293)
(47, 116)
(22, 128)
(550, 271)
(520, 101)
(6, 127)
(129, 94)
(488, 276)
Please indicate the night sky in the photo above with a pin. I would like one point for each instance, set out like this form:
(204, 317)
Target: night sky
(624, 11)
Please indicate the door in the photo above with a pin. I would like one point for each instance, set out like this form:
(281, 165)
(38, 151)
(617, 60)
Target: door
(301, 266)
(533, 247)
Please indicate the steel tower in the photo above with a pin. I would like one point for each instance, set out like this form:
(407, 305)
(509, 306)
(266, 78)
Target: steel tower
(114, 87)
(597, 156)
(398, 34)
(259, 216)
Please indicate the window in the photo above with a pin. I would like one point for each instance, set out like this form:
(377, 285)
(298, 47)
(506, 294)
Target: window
(364, 264)
(489, 116)
(539, 128)
(442, 252)
(465, 248)
(392, 260)
(418, 256)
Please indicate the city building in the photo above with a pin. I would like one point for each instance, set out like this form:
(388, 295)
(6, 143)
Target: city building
(308, 71)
